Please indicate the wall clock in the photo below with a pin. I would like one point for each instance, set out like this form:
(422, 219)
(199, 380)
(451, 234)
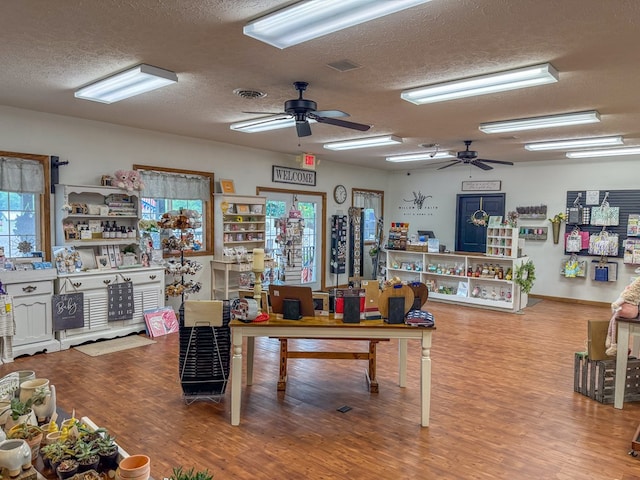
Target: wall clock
(340, 194)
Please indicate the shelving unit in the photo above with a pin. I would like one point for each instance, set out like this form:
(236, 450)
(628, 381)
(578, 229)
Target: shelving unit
(451, 277)
(96, 206)
(239, 221)
(504, 242)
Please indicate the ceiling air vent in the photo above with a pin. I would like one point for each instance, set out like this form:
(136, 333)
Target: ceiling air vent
(343, 65)
(246, 93)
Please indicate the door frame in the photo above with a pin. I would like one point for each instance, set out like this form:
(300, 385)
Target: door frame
(323, 223)
(460, 197)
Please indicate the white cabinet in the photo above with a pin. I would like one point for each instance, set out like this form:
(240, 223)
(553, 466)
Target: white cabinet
(148, 293)
(504, 242)
(31, 291)
(473, 279)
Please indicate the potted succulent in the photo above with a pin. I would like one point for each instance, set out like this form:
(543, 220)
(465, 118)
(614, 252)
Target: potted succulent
(67, 468)
(108, 452)
(21, 412)
(31, 433)
(86, 453)
(180, 474)
(53, 453)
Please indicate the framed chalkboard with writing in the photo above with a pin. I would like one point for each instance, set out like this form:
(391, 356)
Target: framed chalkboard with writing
(120, 301)
(68, 311)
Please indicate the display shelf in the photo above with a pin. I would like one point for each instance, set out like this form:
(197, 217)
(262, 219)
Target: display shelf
(239, 221)
(476, 280)
(503, 242)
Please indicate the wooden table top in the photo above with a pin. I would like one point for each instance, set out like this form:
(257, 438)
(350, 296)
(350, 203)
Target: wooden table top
(322, 321)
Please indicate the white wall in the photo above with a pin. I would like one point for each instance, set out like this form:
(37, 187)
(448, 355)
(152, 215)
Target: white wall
(525, 184)
(94, 149)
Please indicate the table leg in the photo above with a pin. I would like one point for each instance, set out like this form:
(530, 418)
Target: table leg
(251, 347)
(425, 378)
(372, 376)
(236, 376)
(621, 363)
(402, 362)
(284, 350)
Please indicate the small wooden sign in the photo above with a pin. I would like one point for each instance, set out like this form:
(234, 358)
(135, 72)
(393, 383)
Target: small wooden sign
(68, 311)
(120, 301)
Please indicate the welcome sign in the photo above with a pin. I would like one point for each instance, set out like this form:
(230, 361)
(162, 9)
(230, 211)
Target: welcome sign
(293, 175)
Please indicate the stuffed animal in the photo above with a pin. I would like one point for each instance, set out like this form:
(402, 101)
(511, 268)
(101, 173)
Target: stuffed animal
(625, 306)
(134, 179)
(128, 180)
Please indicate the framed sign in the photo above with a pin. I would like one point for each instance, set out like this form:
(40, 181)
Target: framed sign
(120, 301)
(481, 186)
(68, 311)
(293, 175)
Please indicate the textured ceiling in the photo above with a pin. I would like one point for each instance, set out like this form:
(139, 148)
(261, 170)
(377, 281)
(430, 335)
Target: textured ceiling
(52, 47)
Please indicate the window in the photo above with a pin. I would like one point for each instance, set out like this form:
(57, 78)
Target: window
(172, 190)
(24, 204)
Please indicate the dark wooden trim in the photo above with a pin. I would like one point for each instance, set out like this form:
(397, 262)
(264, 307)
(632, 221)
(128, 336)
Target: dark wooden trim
(368, 190)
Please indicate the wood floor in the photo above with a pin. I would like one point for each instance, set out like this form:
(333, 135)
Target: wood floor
(502, 407)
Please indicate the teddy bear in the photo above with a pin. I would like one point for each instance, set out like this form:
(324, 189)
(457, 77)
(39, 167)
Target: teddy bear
(135, 180)
(128, 180)
(625, 306)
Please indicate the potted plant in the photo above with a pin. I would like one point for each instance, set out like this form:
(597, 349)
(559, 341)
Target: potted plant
(67, 468)
(108, 452)
(21, 412)
(86, 454)
(52, 454)
(180, 474)
(31, 433)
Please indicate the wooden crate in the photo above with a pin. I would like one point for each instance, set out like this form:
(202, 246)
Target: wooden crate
(596, 379)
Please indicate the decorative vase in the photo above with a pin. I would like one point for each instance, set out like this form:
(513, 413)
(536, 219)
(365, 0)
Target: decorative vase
(14, 456)
(29, 418)
(556, 232)
(28, 388)
(46, 409)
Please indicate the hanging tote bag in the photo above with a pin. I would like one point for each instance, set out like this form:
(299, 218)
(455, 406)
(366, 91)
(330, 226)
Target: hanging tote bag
(605, 215)
(573, 241)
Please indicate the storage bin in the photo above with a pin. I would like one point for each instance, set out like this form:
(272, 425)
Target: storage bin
(596, 379)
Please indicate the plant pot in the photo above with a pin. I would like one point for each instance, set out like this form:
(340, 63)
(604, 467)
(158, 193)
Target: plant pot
(28, 388)
(556, 232)
(134, 467)
(33, 442)
(90, 464)
(29, 418)
(109, 461)
(67, 469)
(15, 455)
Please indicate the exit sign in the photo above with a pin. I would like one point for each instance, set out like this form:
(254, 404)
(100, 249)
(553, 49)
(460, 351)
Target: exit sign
(309, 161)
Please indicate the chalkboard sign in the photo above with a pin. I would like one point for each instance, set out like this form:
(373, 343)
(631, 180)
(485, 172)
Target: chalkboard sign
(120, 306)
(68, 311)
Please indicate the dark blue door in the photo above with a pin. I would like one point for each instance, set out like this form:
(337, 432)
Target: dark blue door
(469, 237)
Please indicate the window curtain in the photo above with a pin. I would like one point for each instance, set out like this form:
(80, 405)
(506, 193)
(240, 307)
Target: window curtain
(370, 200)
(20, 175)
(176, 186)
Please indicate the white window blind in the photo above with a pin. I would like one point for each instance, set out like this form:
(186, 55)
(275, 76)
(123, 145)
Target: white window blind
(20, 175)
(176, 186)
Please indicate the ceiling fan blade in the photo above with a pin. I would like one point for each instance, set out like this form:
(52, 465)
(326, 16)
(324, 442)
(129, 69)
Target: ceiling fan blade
(267, 113)
(331, 113)
(481, 165)
(303, 129)
(453, 162)
(340, 123)
(501, 162)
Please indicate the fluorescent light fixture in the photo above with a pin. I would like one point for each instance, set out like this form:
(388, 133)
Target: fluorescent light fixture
(311, 19)
(415, 157)
(550, 121)
(574, 143)
(136, 80)
(482, 85)
(263, 124)
(605, 152)
(364, 143)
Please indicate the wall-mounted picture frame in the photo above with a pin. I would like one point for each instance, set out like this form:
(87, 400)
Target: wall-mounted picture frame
(481, 185)
(242, 209)
(102, 262)
(227, 186)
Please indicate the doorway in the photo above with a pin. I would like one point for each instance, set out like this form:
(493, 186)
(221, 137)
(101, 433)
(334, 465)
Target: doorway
(470, 237)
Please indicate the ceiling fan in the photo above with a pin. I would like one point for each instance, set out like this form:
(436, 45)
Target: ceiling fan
(303, 110)
(470, 157)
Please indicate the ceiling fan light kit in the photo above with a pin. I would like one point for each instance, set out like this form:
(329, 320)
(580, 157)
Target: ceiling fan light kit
(549, 121)
(574, 143)
(311, 19)
(415, 157)
(482, 85)
(134, 81)
(470, 157)
(364, 143)
(605, 152)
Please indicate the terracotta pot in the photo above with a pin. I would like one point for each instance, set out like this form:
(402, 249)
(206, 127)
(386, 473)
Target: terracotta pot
(134, 467)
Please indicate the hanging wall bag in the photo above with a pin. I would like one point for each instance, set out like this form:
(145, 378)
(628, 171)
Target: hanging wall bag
(573, 240)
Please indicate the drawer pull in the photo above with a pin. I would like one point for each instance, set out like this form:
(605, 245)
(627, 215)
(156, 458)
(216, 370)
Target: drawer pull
(126, 279)
(29, 289)
(106, 282)
(152, 277)
(76, 284)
